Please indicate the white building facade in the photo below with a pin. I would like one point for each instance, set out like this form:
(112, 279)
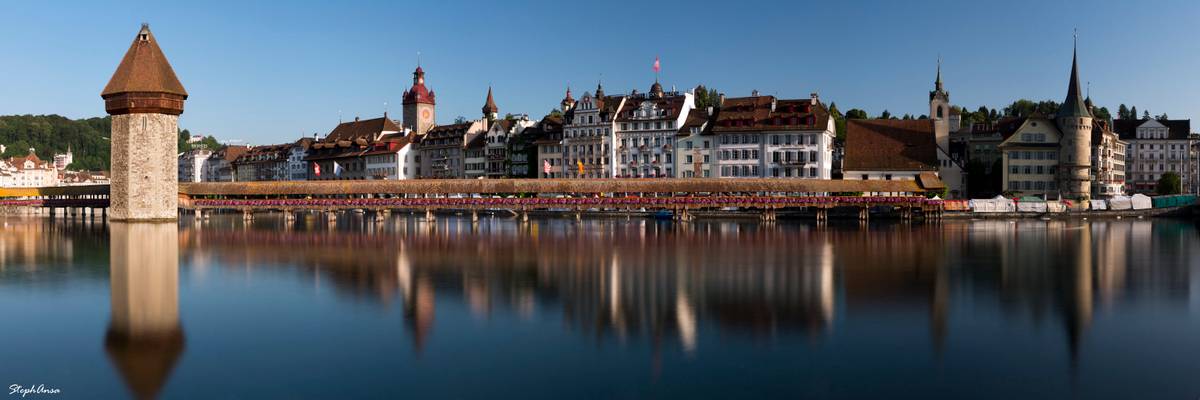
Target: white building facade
(587, 136)
(765, 137)
(644, 133)
(1157, 147)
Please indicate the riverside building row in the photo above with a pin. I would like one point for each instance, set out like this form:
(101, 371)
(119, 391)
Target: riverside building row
(664, 134)
(1071, 154)
(656, 134)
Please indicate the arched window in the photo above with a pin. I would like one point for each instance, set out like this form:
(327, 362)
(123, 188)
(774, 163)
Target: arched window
(939, 112)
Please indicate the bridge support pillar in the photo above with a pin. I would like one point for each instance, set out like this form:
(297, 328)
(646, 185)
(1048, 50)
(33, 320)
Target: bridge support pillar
(331, 216)
(429, 215)
(474, 216)
(524, 216)
(864, 214)
(379, 217)
(198, 214)
(247, 215)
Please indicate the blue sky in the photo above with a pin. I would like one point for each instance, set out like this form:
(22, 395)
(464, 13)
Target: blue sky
(266, 72)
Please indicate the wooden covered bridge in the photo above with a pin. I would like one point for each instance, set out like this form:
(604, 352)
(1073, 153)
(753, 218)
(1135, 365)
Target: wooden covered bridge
(680, 196)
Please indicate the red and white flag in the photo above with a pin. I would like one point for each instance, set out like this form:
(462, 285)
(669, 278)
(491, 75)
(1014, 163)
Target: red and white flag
(657, 66)
(317, 169)
(546, 167)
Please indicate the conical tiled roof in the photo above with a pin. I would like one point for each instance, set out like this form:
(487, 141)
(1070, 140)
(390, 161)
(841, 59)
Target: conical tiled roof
(489, 107)
(1074, 105)
(144, 69)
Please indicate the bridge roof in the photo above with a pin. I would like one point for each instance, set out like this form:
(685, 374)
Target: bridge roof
(453, 186)
(73, 190)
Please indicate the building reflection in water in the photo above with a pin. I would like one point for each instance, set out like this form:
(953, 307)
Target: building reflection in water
(665, 283)
(145, 338)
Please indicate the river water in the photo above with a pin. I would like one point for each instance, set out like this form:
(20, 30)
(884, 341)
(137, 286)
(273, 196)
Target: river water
(600, 308)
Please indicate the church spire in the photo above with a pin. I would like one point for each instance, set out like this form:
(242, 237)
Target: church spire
(1074, 105)
(489, 107)
(937, 83)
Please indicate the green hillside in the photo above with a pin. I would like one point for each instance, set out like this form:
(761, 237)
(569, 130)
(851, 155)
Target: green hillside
(50, 134)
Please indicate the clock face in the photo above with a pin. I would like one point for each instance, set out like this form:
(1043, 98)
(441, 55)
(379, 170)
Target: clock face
(426, 115)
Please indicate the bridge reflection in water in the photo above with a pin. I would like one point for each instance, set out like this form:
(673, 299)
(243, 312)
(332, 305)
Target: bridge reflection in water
(658, 280)
(695, 289)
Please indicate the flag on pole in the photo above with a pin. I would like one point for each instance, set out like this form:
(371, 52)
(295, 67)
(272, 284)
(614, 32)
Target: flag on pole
(546, 167)
(337, 169)
(657, 66)
(580, 164)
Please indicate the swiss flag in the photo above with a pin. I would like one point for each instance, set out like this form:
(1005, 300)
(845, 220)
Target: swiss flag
(657, 66)
(317, 169)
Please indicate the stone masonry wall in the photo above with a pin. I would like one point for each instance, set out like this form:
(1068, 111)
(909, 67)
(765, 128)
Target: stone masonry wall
(145, 171)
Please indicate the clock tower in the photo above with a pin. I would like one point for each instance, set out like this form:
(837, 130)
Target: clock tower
(419, 105)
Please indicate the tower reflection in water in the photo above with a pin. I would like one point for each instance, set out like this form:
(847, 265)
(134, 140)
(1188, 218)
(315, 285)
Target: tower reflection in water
(145, 338)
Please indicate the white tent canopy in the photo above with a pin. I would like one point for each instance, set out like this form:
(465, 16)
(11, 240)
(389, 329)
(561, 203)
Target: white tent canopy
(1120, 203)
(996, 204)
(1141, 202)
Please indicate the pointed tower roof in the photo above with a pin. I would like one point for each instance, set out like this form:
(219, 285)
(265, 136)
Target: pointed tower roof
(144, 70)
(937, 83)
(1074, 105)
(939, 91)
(489, 107)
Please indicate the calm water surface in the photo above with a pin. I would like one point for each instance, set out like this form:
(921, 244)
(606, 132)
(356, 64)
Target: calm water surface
(603, 308)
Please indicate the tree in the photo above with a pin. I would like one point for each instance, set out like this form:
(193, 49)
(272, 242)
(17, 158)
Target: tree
(1133, 112)
(1162, 117)
(1123, 112)
(907, 117)
(555, 112)
(886, 115)
(855, 113)
(1102, 114)
(1146, 115)
(1026, 107)
(1169, 183)
(706, 97)
(839, 121)
(460, 119)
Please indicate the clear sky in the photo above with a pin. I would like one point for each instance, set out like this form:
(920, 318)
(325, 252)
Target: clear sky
(266, 72)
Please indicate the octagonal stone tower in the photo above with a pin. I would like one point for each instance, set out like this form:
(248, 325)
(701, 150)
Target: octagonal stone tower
(145, 100)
